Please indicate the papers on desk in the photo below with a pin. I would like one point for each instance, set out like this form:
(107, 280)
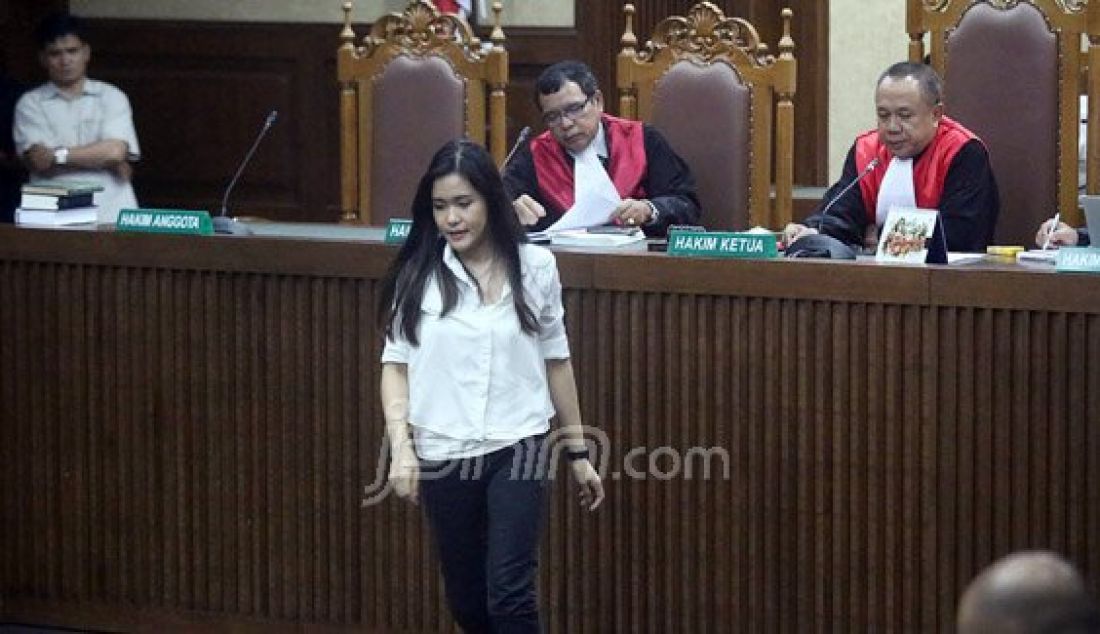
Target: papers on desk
(1045, 256)
(964, 258)
(60, 218)
(591, 210)
(582, 238)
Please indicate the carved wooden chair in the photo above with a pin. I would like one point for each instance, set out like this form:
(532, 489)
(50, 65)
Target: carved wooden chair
(418, 80)
(721, 99)
(1011, 71)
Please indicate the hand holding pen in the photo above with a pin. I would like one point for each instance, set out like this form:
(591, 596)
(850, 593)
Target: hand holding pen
(1054, 233)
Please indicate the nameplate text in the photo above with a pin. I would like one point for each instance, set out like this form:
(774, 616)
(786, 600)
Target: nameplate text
(752, 246)
(183, 221)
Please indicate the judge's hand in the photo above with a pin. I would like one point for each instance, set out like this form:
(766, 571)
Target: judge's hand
(124, 171)
(39, 158)
(1063, 236)
(794, 231)
(589, 485)
(528, 210)
(632, 213)
(405, 473)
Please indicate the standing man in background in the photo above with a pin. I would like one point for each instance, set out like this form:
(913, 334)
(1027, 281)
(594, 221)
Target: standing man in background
(74, 127)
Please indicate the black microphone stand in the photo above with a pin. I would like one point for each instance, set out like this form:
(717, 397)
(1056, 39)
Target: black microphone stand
(222, 222)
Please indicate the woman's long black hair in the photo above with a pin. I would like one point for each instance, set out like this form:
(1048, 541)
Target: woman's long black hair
(421, 256)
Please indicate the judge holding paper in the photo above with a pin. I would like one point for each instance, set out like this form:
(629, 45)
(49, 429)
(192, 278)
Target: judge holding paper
(925, 159)
(589, 168)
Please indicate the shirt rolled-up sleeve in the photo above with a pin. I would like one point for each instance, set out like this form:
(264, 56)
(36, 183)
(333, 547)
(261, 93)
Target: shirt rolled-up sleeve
(118, 121)
(396, 350)
(552, 340)
(31, 125)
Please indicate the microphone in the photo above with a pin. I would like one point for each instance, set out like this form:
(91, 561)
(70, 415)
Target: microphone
(523, 134)
(820, 245)
(222, 222)
(855, 181)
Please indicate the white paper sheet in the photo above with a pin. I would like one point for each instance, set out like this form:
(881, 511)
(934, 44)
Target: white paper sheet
(595, 196)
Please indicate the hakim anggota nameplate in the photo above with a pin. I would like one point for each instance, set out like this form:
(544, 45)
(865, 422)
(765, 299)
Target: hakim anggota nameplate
(719, 244)
(183, 221)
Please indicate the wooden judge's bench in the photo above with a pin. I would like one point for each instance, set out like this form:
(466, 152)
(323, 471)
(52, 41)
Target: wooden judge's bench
(190, 427)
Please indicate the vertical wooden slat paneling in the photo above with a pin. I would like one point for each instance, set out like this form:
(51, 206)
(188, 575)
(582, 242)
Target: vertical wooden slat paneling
(800, 397)
(1040, 353)
(836, 425)
(1085, 541)
(858, 473)
(65, 450)
(875, 459)
(9, 439)
(967, 441)
(193, 445)
(168, 427)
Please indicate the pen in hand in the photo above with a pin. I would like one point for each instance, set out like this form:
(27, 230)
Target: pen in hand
(1053, 227)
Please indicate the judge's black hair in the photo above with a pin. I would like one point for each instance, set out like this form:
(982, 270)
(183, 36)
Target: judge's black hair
(421, 257)
(554, 77)
(931, 86)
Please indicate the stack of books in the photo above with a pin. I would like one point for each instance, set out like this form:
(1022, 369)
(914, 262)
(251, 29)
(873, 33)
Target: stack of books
(57, 202)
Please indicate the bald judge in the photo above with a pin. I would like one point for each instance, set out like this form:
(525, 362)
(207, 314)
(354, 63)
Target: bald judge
(584, 147)
(917, 157)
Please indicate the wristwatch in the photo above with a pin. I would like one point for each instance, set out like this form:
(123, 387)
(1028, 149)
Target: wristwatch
(654, 213)
(61, 155)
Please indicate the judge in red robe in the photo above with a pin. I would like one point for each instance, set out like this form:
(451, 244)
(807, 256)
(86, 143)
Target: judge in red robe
(949, 166)
(654, 182)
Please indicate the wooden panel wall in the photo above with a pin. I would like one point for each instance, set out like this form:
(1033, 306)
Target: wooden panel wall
(200, 93)
(201, 90)
(188, 427)
(18, 55)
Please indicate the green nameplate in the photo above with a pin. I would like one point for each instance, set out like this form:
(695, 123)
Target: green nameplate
(1078, 260)
(165, 221)
(721, 244)
(397, 229)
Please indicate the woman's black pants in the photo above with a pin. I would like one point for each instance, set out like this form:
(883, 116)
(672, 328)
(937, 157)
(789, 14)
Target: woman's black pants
(486, 515)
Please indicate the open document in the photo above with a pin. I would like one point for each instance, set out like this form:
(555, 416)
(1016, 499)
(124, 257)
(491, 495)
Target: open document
(594, 200)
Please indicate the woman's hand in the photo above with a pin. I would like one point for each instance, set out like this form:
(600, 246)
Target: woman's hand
(405, 473)
(589, 484)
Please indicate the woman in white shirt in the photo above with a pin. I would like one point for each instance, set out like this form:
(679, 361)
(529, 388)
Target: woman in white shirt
(475, 365)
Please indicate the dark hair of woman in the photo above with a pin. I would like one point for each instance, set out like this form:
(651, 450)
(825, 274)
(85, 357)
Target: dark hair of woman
(421, 256)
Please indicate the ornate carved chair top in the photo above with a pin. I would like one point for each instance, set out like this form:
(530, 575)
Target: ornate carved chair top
(418, 79)
(1011, 69)
(712, 87)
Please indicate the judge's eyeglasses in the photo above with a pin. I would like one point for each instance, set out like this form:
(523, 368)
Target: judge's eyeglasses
(572, 111)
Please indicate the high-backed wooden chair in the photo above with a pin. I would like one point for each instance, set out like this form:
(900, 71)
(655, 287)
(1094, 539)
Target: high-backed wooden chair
(418, 80)
(1011, 70)
(721, 99)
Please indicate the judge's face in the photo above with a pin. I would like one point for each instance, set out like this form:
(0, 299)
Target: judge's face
(66, 60)
(572, 116)
(906, 121)
(460, 214)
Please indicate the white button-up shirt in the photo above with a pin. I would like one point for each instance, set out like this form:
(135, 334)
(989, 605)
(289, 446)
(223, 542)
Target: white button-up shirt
(46, 116)
(477, 382)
